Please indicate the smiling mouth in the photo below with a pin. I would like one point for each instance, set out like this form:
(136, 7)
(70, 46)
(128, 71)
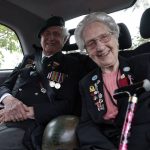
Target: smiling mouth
(104, 54)
(50, 44)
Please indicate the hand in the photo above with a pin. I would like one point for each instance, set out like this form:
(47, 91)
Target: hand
(14, 110)
(4, 117)
(30, 113)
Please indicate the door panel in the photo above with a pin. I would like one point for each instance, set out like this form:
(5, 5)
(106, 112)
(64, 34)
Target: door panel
(4, 75)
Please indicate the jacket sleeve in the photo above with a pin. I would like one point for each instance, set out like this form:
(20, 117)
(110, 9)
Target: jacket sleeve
(89, 133)
(9, 83)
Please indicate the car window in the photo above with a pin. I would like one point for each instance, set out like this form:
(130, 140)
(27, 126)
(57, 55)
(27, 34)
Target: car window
(10, 49)
(130, 17)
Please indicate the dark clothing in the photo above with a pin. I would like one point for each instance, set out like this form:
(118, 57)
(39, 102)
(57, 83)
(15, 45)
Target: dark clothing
(94, 132)
(31, 85)
(11, 143)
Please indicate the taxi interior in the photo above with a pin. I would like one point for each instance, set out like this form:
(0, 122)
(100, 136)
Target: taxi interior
(26, 16)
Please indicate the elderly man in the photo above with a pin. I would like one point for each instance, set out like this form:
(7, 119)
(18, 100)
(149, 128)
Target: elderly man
(42, 88)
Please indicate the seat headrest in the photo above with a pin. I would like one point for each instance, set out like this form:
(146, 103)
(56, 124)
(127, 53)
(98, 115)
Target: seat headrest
(68, 46)
(125, 41)
(145, 24)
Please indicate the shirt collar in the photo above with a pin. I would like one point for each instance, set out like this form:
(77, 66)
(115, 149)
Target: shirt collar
(43, 55)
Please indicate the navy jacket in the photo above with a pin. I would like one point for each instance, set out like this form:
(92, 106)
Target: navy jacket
(94, 132)
(30, 85)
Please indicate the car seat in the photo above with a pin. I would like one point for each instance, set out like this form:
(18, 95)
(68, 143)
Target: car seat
(144, 32)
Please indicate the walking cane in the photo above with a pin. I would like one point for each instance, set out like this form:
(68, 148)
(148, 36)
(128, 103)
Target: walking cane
(133, 91)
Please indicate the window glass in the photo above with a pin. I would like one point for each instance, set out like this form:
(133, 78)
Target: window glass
(130, 17)
(10, 48)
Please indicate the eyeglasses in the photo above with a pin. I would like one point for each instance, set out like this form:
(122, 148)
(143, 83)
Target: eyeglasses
(103, 38)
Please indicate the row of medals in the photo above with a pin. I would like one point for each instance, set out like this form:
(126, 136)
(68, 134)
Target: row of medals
(55, 79)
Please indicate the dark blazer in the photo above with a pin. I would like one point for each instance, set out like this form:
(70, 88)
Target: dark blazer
(30, 85)
(26, 84)
(94, 132)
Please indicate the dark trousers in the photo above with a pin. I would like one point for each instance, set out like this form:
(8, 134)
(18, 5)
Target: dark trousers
(139, 137)
(11, 138)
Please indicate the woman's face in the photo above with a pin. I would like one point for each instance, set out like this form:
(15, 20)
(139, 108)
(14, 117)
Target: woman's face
(101, 44)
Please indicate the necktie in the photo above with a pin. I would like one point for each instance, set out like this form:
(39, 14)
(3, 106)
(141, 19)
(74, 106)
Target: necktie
(46, 60)
(46, 64)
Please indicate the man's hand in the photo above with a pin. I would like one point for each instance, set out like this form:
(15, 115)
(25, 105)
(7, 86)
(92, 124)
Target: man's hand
(14, 110)
(30, 113)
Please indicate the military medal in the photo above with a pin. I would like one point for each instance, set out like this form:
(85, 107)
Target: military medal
(51, 83)
(55, 79)
(57, 85)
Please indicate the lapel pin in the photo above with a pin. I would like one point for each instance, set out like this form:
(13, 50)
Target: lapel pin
(126, 69)
(92, 89)
(94, 78)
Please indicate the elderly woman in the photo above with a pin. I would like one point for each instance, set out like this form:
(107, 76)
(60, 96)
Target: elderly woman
(103, 116)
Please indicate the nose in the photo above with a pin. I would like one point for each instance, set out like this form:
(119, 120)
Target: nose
(50, 36)
(99, 45)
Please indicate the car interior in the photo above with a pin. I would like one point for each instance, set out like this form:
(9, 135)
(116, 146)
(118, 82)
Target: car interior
(25, 17)
(31, 14)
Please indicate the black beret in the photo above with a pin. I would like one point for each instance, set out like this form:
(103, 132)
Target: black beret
(53, 21)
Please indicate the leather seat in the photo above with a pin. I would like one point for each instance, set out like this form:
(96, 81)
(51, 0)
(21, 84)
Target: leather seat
(125, 41)
(144, 32)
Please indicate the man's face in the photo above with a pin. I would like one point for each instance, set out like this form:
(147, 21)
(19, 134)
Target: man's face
(52, 40)
(101, 44)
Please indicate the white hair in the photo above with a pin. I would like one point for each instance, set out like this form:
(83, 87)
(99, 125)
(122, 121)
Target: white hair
(95, 17)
